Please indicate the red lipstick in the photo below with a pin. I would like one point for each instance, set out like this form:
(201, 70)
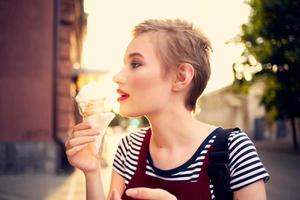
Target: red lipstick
(123, 96)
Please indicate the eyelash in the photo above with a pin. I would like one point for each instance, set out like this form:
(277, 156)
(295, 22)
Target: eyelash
(135, 64)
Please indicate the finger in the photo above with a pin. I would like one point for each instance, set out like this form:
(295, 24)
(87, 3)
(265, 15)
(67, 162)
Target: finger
(78, 127)
(81, 140)
(74, 150)
(86, 132)
(150, 194)
(146, 193)
(115, 195)
(81, 126)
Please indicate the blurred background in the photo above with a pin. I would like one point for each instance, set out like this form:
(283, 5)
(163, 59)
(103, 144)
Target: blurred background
(50, 49)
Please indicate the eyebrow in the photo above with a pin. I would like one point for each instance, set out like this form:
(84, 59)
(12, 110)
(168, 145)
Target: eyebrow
(133, 54)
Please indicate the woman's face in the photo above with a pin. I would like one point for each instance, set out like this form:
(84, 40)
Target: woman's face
(144, 87)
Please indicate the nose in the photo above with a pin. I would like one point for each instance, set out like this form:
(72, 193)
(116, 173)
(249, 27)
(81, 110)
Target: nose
(119, 77)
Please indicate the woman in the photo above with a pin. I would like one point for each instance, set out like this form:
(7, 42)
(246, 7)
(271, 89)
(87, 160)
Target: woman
(166, 69)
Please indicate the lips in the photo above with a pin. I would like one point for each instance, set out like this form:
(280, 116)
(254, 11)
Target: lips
(123, 96)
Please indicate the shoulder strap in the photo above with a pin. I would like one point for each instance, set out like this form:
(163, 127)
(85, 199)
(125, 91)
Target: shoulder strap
(218, 170)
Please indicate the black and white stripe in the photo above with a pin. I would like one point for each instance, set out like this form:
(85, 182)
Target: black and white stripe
(245, 165)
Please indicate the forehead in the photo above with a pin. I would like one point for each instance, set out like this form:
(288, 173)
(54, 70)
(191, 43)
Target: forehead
(144, 44)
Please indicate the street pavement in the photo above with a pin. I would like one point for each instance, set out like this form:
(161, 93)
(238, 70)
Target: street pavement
(283, 165)
(281, 161)
(57, 187)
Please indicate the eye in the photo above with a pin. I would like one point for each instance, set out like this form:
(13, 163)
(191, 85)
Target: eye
(135, 64)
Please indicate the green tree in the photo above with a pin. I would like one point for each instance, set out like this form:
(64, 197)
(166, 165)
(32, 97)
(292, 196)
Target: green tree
(272, 53)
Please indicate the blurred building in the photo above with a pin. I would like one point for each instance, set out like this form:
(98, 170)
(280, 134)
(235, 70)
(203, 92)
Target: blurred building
(40, 45)
(227, 109)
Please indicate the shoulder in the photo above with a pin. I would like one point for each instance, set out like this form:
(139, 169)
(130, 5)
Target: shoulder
(126, 157)
(136, 135)
(133, 140)
(245, 165)
(238, 140)
(237, 133)
(240, 145)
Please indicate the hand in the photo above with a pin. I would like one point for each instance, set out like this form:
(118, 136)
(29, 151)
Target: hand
(78, 148)
(150, 194)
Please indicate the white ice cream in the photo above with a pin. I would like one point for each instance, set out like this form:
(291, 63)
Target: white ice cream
(93, 98)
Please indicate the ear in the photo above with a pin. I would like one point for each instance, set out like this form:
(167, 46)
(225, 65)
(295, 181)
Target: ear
(184, 76)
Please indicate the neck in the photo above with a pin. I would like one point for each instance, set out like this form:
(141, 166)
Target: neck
(172, 127)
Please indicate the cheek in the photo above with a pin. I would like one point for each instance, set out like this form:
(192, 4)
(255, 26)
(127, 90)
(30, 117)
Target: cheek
(141, 82)
(151, 89)
(140, 89)
(149, 83)
(149, 93)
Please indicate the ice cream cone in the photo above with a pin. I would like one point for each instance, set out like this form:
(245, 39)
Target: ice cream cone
(94, 108)
(101, 122)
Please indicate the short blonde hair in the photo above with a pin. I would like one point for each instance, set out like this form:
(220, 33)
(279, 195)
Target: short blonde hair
(180, 42)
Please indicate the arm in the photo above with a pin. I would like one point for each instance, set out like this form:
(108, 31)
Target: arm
(117, 184)
(79, 153)
(255, 190)
(94, 187)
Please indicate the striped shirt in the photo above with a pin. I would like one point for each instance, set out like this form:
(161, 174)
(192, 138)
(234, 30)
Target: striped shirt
(244, 164)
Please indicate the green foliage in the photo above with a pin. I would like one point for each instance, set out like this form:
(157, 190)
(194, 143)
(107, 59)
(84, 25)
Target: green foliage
(272, 52)
(240, 87)
(124, 122)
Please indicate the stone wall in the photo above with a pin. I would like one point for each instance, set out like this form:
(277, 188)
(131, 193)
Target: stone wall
(40, 41)
(26, 59)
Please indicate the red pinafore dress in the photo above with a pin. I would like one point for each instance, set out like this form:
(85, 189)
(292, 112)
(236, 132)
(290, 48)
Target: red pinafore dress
(183, 190)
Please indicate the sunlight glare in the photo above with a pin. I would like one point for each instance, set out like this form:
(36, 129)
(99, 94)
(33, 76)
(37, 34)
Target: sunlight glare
(110, 24)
